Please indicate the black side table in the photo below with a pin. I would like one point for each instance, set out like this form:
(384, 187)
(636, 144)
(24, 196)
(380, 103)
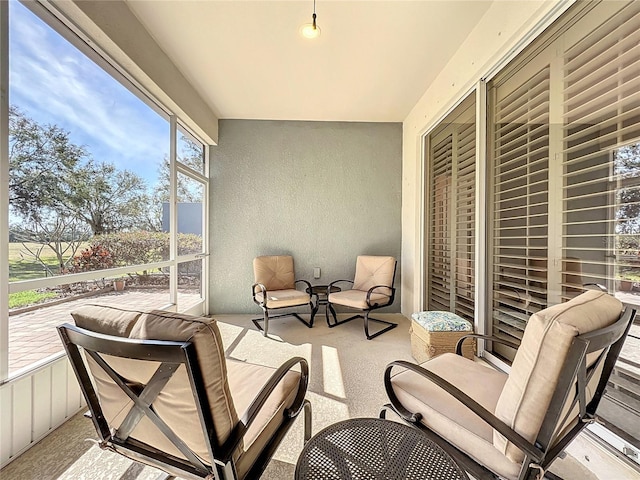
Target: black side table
(322, 296)
(372, 449)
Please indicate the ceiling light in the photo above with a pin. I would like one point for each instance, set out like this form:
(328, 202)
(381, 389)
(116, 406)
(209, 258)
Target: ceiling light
(311, 30)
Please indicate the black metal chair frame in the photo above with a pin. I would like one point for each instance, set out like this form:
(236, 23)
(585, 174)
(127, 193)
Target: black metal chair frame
(371, 307)
(171, 356)
(540, 453)
(265, 309)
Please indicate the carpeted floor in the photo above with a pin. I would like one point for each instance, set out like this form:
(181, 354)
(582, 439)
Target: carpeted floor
(346, 381)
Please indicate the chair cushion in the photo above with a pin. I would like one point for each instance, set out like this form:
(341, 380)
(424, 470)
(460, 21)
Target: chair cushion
(450, 418)
(358, 299)
(372, 271)
(245, 382)
(175, 403)
(536, 366)
(284, 298)
(275, 272)
(439, 321)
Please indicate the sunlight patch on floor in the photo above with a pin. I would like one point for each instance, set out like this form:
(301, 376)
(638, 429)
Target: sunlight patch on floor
(332, 372)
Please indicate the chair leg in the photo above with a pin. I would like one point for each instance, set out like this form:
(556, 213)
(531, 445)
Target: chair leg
(308, 324)
(314, 310)
(390, 325)
(265, 329)
(307, 420)
(266, 323)
(337, 322)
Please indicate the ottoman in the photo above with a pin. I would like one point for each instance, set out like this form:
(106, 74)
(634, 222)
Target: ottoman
(435, 332)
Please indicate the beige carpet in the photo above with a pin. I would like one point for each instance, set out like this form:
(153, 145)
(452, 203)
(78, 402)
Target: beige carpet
(346, 381)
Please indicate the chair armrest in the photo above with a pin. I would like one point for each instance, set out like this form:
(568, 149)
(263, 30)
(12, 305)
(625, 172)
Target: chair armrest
(308, 285)
(370, 291)
(263, 290)
(513, 436)
(248, 418)
(337, 281)
(486, 337)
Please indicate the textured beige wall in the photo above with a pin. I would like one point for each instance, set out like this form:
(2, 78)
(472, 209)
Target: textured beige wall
(502, 29)
(323, 192)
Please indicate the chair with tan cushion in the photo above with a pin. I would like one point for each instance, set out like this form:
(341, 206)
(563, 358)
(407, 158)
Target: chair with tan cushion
(372, 288)
(275, 288)
(514, 425)
(161, 392)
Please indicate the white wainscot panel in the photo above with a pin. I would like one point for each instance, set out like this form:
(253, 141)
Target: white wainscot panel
(41, 402)
(35, 404)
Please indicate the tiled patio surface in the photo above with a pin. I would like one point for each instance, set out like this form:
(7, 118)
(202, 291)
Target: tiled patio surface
(33, 337)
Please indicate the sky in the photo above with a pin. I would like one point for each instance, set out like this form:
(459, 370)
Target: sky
(54, 83)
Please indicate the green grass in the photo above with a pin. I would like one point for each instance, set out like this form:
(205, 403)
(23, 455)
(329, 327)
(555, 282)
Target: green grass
(29, 297)
(22, 266)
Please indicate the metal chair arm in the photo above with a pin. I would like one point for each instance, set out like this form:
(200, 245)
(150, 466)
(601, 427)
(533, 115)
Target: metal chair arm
(486, 337)
(251, 414)
(308, 285)
(370, 291)
(337, 281)
(514, 437)
(263, 290)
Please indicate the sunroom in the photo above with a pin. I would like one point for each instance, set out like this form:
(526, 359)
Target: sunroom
(151, 150)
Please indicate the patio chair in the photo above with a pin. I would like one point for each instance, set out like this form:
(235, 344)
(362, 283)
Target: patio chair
(372, 288)
(275, 288)
(513, 426)
(161, 392)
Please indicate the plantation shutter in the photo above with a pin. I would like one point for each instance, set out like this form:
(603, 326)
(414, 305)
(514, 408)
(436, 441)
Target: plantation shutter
(465, 219)
(439, 238)
(519, 154)
(601, 162)
(451, 227)
(601, 151)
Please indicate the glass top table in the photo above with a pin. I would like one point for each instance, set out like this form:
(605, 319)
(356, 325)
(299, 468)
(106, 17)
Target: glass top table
(373, 448)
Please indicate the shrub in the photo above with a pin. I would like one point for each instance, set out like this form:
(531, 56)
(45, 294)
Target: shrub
(94, 257)
(137, 248)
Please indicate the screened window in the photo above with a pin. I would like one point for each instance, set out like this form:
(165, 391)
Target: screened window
(90, 174)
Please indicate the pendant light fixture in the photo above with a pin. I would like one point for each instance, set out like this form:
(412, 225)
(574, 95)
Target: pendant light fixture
(311, 30)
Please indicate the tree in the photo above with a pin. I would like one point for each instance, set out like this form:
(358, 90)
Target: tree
(191, 156)
(60, 234)
(106, 198)
(41, 158)
(54, 183)
(627, 169)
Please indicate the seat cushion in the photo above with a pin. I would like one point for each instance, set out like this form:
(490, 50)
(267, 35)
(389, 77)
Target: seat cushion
(450, 418)
(284, 298)
(175, 403)
(374, 270)
(275, 272)
(245, 381)
(358, 299)
(536, 366)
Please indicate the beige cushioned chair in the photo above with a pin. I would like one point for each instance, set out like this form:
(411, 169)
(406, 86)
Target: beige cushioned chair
(275, 288)
(514, 425)
(161, 392)
(372, 288)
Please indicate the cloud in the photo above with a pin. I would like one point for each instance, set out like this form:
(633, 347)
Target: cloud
(54, 83)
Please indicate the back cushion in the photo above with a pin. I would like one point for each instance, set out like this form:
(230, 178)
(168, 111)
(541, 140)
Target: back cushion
(275, 272)
(536, 367)
(372, 271)
(175, 404)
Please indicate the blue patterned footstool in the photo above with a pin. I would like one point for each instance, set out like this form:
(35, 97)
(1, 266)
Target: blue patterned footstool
(435, 332)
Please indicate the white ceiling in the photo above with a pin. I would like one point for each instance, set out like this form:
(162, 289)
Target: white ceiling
(372, 62)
